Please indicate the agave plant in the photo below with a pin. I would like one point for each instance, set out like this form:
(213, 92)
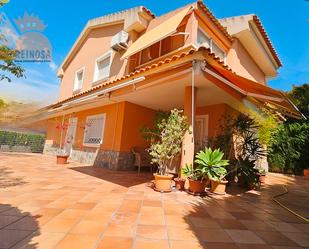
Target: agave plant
(210, 163)
(194, 174)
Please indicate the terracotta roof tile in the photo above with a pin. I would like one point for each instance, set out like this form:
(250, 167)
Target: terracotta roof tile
(148, 11)
(262, 30)
(214, 19)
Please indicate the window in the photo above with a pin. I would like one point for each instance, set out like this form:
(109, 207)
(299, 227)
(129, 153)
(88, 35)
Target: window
(102, 67)
(79, 78)
(217, 51)
(203, 39)
(163, 47)
(94, 130)
(151, 53)
(166, 45)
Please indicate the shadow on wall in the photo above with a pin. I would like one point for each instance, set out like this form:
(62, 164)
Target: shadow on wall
(17, 228)
(220, 221)
(124, 178)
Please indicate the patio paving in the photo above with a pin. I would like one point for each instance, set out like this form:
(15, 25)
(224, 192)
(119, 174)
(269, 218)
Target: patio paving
(44, 205)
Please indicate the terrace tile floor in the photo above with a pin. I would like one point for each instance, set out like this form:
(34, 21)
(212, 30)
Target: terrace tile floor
(44, 205)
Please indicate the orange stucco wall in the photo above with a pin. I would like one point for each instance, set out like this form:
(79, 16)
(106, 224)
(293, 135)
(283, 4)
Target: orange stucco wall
(242, 63)
(217, 114)
(124, 121)
(135, 117)
(96, 44)
(112, 132)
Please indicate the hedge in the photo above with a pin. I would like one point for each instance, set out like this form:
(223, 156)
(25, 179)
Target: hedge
(289, 148)
(34, 142)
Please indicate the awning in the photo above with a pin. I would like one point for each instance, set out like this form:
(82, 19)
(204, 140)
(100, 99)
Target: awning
(259, 93)
(165, 29)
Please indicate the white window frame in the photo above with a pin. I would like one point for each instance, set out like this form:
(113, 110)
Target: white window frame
(103, 129)
(96, 71)
(211, 42)
(211, 49)
(75, 80)
(202, 31)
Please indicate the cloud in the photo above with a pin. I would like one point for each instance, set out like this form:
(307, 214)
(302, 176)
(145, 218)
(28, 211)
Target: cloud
(39, 85)
(34, 73)
(53, 66)
(24, 91)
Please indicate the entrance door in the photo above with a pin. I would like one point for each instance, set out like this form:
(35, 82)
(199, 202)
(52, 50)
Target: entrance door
(201, 131)
(70, 135)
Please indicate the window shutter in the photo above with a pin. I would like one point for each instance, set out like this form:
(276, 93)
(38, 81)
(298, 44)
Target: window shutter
(103, 68)
(78, 80)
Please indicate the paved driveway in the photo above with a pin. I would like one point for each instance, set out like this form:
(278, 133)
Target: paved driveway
(44, 205)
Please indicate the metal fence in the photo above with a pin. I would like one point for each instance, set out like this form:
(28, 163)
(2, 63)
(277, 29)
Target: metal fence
(21, 142)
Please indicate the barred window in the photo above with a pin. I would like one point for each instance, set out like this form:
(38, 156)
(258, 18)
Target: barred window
(94, 129)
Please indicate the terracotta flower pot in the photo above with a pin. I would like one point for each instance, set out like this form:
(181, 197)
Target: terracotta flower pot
(197, 187)
(180, 184)
(218, 187)
(62, 159)
(262, 178)
(306, 173)
(251, 186)
(163, 182)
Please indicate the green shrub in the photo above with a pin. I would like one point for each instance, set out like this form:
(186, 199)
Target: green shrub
(210, 163)
(289, 148)
(34, 141)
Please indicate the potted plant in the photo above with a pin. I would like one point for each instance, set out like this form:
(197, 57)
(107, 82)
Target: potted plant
(179, 183)
(262, 175)
(306, 172)
(197, 179)
(166, 141)
(209, 166)
(247, 173)
(214, 167)
(62, 156)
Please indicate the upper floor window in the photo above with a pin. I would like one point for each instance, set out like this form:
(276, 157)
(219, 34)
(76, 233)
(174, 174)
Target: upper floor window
(158, 49)
(79, 78)
(102, 67)
(217, 51)
(204, 40)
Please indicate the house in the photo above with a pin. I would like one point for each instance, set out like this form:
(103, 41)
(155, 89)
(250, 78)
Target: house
(125, 66)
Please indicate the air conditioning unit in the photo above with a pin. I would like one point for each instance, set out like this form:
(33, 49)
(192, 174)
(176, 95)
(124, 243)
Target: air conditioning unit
(120, 41)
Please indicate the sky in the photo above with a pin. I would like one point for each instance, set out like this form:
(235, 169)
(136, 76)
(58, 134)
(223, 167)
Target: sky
(284, 21)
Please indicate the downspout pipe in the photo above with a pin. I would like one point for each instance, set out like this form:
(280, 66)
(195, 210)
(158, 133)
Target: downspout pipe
(193, 99)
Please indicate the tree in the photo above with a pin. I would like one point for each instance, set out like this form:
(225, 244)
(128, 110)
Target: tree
(290, 143)
(7, 63)
(3, 2)
(166, 138)
(300, 97)
(289, 148)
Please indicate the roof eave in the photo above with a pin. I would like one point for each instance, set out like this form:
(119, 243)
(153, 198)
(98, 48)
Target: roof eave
(110, 19)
